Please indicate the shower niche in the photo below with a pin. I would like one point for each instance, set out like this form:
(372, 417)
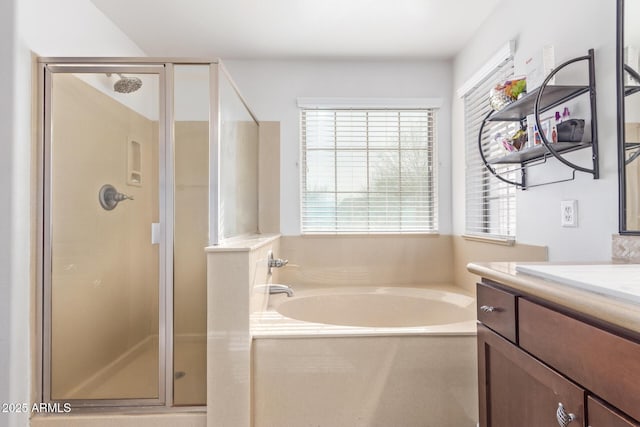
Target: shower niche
(134, 169)
(124, 286)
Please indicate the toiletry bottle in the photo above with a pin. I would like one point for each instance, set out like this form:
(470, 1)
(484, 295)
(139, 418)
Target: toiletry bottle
(554, 127)
(565, 114)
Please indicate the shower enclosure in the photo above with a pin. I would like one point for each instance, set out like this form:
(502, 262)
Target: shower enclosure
(144, 163)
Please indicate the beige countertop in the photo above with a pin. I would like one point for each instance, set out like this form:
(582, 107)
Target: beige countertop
(616, 311)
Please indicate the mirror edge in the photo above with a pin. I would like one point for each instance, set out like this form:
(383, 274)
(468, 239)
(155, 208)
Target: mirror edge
(622, 225)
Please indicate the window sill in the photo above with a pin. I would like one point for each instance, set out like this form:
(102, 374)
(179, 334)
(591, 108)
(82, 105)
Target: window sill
(503, 241)
(372, 234)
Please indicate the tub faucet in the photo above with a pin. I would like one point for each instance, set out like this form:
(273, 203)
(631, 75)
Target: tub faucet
(275, 262)
(281, 289)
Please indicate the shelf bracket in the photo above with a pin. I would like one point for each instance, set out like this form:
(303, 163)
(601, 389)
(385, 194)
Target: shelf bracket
(594, 131)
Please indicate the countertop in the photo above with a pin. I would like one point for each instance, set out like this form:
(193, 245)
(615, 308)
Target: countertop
(616, 311)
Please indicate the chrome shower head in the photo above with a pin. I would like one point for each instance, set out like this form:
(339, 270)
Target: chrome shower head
(127, 84)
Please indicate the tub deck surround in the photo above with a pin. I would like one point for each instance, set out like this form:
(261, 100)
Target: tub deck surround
(368, 381)
(420, 372)
(609, 309)
(244, 243)
(234, 269)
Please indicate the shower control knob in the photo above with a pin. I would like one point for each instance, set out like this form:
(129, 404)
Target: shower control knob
(109, 197)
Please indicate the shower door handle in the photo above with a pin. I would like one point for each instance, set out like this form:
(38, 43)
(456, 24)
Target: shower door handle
(155, 233)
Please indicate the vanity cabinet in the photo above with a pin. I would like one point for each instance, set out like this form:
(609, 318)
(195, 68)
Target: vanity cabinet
(518, 390)
(550, 363)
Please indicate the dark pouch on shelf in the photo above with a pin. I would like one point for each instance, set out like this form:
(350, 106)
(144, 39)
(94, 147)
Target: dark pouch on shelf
(571, 130)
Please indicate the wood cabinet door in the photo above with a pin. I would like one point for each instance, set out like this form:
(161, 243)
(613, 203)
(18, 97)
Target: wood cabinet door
(601, 415)
(517, 390)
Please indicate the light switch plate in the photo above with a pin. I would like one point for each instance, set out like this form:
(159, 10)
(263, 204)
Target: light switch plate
(569, 213)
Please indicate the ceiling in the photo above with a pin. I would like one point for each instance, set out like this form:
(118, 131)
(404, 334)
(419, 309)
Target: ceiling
(298, 29)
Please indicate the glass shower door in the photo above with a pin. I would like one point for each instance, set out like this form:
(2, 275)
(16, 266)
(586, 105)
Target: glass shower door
(103, 201)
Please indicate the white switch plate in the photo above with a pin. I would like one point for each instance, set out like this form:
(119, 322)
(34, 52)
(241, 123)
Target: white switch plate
(569, 213)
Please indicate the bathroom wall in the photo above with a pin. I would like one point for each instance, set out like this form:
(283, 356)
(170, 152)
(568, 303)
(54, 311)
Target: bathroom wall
(71, 28)
(104, 267)
(46, 28)
(572, 27)
(14, 221)
(272, 87)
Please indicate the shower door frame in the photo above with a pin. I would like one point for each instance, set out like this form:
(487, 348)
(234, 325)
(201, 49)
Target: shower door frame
(49, 67)
(164, 67)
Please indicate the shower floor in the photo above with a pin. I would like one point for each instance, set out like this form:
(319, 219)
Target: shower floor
(190, 357)
(135, 374)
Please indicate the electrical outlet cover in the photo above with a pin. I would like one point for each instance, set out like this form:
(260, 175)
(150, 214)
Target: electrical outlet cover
(569, 213)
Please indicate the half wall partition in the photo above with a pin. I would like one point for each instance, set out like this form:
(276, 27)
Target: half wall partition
(144, 163)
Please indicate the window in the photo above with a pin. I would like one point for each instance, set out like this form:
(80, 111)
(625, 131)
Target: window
(368, 170)
(490, 203)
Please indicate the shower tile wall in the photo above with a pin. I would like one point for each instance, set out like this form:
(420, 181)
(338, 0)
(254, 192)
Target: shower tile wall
(269, 177)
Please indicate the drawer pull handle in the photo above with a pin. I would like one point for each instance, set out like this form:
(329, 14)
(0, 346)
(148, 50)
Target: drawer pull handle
(563, 417)
(488, 308)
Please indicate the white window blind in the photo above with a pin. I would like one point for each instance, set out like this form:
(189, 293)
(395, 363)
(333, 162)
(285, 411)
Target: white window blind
(490, 203)
(368, 171)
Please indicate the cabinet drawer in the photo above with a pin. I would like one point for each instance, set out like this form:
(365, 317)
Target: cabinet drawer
(600, 415)
(497, 310)
(583, 353)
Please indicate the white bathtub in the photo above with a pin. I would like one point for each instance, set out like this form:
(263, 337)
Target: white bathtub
(378, 307)
(366, 356)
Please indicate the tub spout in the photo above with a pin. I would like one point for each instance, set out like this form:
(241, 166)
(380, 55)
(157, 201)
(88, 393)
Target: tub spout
(281, 289)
